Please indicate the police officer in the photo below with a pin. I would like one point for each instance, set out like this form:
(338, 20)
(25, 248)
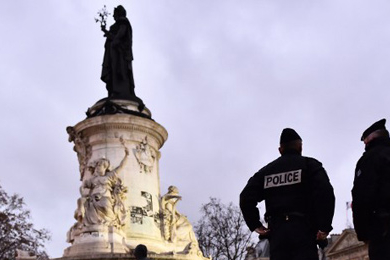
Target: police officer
(299, 202)
(371, 192)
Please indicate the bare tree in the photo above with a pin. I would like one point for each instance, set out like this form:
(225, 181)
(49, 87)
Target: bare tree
(16, 230)
(221, 231)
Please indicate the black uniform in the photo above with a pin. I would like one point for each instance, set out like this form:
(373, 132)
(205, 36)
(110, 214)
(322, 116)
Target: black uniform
(371, 198)
(299, 201)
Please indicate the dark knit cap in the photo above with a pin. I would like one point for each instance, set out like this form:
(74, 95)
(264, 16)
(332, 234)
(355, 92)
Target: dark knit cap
(289, 135)
(140, 251)
(375, 126)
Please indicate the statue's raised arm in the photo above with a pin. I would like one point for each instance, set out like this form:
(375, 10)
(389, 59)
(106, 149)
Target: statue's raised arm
(124, 161)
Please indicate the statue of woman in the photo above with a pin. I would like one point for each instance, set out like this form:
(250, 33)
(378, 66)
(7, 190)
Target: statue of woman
(104, 203)
(177, 228)
(171, 216)
(117, 71)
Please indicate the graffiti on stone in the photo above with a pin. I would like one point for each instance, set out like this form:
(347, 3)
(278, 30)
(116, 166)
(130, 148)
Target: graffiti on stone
(136, 214)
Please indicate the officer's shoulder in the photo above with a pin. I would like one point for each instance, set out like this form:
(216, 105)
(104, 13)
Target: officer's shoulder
(383, 155)
(266, 167)
(263, 169)
(376, 153)
(311, 159)
(312, 162)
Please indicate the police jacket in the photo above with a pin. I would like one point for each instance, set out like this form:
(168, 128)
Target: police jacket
(292, 184)
(371, 191)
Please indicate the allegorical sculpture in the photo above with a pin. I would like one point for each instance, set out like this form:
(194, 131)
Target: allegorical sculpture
(102, 198)
(145, 156)
(81, 147)
(119, 130)
(104, 203)
(171, 216)
(177, 228)
(117, 71)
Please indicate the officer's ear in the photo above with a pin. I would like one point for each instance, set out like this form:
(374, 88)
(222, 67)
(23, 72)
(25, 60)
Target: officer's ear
(281, 149)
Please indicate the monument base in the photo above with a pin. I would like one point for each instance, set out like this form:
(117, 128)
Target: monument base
(130, 256)
(97, 241)
(117, 147)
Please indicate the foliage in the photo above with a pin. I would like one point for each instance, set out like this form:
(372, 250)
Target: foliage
(221, 231)
(16, 230)
(103, 14)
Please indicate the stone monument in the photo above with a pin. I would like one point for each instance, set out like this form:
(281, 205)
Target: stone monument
(117, 147)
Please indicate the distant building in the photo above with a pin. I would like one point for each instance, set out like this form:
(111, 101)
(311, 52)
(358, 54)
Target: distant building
(344, 246)
(259, 252)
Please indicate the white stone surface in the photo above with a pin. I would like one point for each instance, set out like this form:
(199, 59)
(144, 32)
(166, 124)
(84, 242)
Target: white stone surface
(106, 240)
(108, 136)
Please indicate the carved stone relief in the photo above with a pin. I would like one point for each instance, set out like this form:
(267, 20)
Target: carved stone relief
(177, 227)
(82, 148)
(145, 155)
(102, 201)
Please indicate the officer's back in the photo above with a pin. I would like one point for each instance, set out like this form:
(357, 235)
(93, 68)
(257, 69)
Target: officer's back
(284, 189)
(299, 201)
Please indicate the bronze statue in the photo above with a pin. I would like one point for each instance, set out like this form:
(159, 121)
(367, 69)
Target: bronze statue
(117, 71)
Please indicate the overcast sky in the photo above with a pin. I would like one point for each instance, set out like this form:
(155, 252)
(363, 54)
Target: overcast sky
(223, 77)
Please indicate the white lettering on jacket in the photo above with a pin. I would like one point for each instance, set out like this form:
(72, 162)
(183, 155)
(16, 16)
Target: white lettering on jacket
(282, 179)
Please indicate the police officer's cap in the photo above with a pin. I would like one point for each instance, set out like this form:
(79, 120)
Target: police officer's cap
(375, 126)
(289, 135)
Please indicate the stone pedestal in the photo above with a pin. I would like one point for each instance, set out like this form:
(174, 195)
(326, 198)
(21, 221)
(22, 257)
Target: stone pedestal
(112, 221)
(99, 239)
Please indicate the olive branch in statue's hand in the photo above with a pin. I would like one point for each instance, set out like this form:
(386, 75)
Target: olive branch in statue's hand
(103, 14)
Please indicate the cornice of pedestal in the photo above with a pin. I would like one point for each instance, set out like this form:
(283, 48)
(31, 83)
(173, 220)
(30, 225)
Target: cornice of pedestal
(107, 106)
(131, 123)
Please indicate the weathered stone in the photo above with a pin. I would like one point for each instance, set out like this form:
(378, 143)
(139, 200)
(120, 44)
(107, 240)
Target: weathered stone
(120, 204)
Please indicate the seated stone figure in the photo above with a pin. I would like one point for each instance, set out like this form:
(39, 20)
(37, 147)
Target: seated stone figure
(177, 228)
(102, 198)
(104, 204)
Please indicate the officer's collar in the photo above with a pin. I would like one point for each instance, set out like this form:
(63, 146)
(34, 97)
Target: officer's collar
(377, 141)
(290, 152)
